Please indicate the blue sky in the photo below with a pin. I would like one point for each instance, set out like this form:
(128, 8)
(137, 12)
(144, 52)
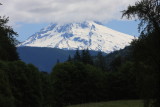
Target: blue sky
(128, 27)
(29, 16)
(26, 30)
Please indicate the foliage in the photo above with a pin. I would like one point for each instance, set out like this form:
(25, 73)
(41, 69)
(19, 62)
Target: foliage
(77, 56)
(86, 57)
(146, 56)
(75, 83)
(6, 96)
(7, 41)
(148, 12)
(24, 84)
(100, 61)
(146, 49)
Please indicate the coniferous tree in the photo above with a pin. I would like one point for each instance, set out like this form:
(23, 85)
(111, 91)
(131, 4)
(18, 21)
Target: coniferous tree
(100, 61)
(69, 58)
(77, 56)
(89, 58)
(86, 57)
(58, 61)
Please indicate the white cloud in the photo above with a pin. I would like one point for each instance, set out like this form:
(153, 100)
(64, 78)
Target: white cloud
(32, 11)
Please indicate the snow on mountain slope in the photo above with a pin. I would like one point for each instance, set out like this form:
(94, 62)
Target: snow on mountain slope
(89, 34)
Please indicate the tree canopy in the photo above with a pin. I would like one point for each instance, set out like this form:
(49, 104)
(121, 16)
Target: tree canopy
(7, 41)
(148, 12)
(146, 49)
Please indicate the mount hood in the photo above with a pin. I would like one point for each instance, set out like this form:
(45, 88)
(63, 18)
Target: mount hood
(72, 36)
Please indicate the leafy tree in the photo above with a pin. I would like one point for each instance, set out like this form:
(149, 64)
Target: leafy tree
(146, 56)
(146, 49)
(129, 80)
(76, 83)
(47, 90)
(6, 96)
(7, 41)
(20, 84)
(25, 84)
(148, 12)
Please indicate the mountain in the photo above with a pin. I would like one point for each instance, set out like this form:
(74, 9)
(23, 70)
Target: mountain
(45, 58)
(89, 34)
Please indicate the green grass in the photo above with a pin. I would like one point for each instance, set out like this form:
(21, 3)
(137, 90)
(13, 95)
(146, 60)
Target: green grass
(122, 103)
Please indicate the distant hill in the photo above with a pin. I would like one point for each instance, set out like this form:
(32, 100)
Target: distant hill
(45, 58)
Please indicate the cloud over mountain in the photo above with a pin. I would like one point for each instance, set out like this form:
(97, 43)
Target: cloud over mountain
(32, 11)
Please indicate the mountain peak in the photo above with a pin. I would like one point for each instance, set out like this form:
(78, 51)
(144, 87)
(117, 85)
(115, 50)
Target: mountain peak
(89, 34)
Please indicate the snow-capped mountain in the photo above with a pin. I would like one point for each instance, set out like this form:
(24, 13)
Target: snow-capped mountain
(89, 34)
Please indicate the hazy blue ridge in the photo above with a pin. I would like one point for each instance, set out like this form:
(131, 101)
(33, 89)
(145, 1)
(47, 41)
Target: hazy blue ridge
(45, 58)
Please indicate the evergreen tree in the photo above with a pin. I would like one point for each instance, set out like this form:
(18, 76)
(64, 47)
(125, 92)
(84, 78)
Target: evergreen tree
(116, 63)
(58, 61)
(100, 61)
(86, 57)
(69, 58)
(77, 56)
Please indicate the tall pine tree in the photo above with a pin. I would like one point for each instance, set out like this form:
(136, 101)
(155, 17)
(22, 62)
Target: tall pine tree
(86, 57)
(77, 56)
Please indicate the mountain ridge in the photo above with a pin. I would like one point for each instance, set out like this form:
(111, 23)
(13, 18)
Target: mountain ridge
(46, 58)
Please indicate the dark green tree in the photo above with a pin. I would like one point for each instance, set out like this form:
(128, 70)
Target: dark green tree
(75, 83)
(20, 84)
(77, 56)
(86, 57)
(146, 49)
(100, 61)
(58, 61)
(148, 12)
(25, 84)
(116, 63)
(7, 41)
(47, 90)
(6, 96)
(69, 58)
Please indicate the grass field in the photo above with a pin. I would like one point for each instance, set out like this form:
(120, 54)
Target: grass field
(122, 103)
